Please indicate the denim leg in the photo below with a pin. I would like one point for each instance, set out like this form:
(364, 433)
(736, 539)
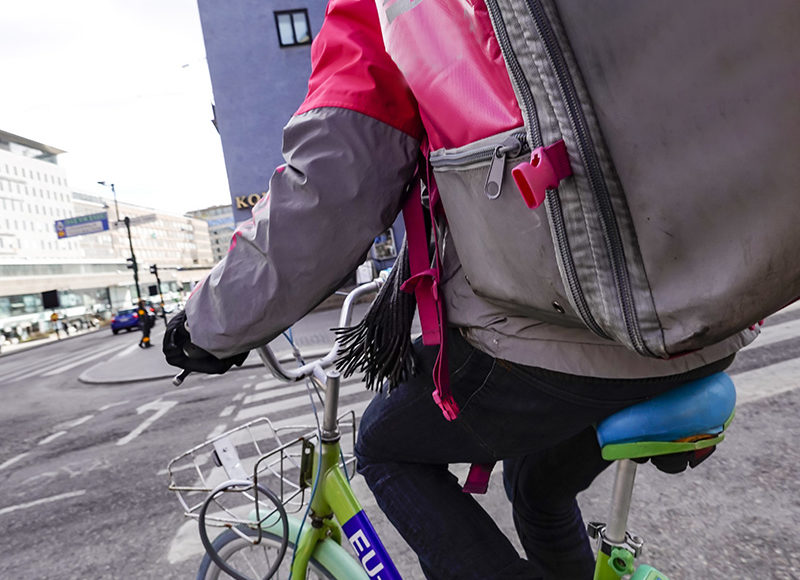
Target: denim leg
(542, 488)
(540, 421)
(404, 447)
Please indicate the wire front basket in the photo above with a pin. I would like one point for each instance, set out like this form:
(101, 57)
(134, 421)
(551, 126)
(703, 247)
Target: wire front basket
(279, 459)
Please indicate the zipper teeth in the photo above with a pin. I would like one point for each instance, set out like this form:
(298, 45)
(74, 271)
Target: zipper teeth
(482, 154)
(518, 77)
(598, 185)
(557, 219)
(521, 84)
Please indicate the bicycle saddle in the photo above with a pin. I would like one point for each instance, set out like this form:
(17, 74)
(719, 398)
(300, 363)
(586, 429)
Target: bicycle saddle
(684, 423)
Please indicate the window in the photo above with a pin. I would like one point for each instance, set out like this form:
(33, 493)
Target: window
(293, 28)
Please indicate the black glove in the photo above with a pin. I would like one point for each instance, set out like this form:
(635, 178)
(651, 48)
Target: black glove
(180, 352)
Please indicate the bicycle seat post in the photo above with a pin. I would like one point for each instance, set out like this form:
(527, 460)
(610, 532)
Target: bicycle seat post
(330, 427)
(621, 501)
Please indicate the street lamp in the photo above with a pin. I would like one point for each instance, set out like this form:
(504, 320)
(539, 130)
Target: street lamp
(113, 191)
(132, 264)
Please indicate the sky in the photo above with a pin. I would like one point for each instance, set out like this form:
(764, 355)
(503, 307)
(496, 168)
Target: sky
(123, 87)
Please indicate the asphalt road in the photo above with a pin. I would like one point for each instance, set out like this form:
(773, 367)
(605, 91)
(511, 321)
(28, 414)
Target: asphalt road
(83, 484)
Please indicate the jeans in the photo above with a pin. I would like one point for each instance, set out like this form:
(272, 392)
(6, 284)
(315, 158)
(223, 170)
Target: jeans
(538, 422)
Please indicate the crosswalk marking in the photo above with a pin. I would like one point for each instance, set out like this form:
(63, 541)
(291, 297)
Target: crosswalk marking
(767, 381)
(275, 392)
(300, 401)
(24, 368)
(308, 419)
(771, 334)
(80, 361)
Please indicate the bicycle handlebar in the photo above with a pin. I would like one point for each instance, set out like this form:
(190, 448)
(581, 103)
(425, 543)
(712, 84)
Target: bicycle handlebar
(313, 370)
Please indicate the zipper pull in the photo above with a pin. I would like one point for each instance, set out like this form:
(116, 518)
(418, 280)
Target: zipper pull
(497, 167)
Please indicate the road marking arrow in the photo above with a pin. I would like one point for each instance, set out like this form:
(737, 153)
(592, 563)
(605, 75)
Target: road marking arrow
(160, 407)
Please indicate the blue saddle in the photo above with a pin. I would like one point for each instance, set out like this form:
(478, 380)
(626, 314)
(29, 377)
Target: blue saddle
(700, 409)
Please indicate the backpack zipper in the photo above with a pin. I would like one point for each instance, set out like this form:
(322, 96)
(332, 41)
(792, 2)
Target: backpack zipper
(597, 183)
(513, 145)
(554, 201)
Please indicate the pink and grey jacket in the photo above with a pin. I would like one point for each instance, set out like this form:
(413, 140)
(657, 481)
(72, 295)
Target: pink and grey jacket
(387, 81)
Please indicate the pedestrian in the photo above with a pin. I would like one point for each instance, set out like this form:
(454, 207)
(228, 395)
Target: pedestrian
(529, 391)
(54, 323)
(145, 324)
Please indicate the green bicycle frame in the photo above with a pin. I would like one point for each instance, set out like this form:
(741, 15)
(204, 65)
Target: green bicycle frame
(335, 511)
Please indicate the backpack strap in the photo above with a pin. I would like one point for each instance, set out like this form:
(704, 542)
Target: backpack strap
(478, 478)
(424, 282)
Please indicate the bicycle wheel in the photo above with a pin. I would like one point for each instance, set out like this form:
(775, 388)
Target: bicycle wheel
(254, 560)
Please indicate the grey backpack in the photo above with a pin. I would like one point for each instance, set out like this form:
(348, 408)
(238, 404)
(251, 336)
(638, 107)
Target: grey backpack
(674, 223)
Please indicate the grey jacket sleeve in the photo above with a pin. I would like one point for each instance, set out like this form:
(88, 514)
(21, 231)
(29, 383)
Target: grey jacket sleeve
(341, 186)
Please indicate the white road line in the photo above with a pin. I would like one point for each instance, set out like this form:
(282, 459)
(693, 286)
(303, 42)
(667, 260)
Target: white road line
(13, 460)
(50, 499)
(52, 437)
(26, 370)
(218, 430)
(238, 396)
(793, 306)
(75, 423)
(82, 360)
(269, 383)
(294, 402)
(110, 405)
(227, 411)
(767, 381)
(308, 419)
(275, 392)
(160, 407)
(771, 334)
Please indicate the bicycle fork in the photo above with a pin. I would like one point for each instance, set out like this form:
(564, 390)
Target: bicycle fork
(616, 547)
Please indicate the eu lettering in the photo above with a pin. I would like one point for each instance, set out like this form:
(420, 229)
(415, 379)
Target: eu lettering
(366, 558)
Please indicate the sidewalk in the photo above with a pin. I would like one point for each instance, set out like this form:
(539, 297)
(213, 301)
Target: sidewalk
(7, 349)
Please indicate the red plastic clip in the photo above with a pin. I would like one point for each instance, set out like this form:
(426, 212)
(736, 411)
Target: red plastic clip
(447, 404)
(547, 167)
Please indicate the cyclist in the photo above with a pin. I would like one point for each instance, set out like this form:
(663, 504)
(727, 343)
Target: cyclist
(528, 391)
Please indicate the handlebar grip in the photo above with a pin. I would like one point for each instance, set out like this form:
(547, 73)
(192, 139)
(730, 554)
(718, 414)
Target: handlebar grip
(179, 378)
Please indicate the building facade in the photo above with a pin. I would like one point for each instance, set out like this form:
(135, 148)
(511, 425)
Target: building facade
(88, 273)
(221, 226)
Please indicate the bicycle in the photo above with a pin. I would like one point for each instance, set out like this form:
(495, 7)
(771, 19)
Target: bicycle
(682, 426)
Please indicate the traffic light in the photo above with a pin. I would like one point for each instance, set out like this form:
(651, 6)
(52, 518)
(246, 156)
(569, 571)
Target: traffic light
(131, 263)
(154, 269)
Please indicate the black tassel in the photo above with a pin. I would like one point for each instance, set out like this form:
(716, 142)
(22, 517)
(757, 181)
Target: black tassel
(380, 345)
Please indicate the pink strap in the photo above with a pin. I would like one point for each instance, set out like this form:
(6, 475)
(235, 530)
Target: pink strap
(478, 478)
(424, 282)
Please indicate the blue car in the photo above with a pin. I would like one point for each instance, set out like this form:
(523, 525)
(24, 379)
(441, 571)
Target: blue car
(125, 319)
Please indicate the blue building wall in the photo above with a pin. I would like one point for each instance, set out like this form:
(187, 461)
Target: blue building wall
(257, 86)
